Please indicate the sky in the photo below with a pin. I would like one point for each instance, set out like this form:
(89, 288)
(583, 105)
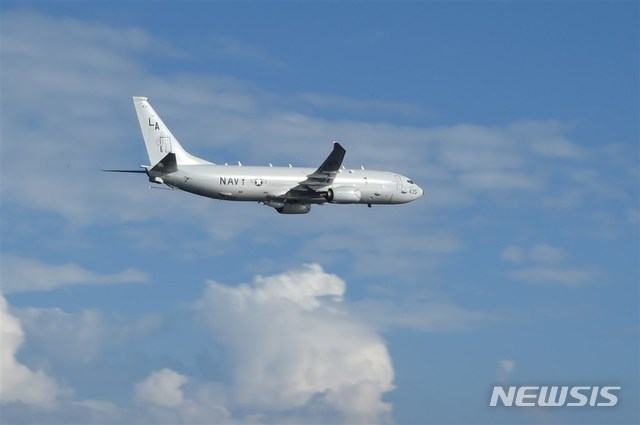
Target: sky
(519, 266)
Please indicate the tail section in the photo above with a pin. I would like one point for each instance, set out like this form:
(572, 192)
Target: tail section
(158, 138)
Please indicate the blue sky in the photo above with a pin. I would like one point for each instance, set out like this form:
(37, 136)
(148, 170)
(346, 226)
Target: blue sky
(519, 266)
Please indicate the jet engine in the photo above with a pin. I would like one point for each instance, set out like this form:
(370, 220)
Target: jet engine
(344, 195)
(294, 209)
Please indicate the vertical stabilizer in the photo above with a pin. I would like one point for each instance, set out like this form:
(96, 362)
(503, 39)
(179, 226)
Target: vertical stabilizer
(158, 138)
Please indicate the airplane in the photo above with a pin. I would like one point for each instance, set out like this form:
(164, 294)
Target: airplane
(289, 190)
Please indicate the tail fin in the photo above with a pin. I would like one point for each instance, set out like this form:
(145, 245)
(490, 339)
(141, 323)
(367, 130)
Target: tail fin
(158, 138)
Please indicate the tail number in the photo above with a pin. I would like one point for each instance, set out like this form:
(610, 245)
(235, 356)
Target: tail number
(155, 126)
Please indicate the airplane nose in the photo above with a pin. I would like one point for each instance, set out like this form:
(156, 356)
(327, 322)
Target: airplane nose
(420, 192)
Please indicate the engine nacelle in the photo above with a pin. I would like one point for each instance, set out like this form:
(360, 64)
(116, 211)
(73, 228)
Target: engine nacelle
(294, 209)
(344, 195)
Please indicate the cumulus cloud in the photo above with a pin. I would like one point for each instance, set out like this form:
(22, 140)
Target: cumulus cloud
(20, 274)
(33, 396)
(170, 397)
(163, 387)
(18, 383)
(296, 348)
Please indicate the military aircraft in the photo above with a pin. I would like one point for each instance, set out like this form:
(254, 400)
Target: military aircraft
(290, 190)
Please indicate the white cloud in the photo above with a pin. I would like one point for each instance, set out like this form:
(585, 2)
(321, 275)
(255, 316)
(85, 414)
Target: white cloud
(539, 253)
(295, 347)
(543, 253)
(33, 396)
(558, 147)
(368, 255)
(297, 353)
(507, 366)
(555, 275)
(513, 254)
(163, 387)
(82, 336)
(547, 139)
(20, 274)
(18, 383)
(65, 412)
(543, 264)
(428, 316)
(505, 370)
(169, 397)
(466, 159)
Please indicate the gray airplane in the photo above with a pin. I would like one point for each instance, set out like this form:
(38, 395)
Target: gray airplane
(290, 190)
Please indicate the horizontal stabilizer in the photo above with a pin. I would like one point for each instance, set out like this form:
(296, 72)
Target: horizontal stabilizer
(167, 165)
(126, 171)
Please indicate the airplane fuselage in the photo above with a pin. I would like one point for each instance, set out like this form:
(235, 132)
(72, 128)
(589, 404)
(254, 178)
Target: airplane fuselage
(264, 184)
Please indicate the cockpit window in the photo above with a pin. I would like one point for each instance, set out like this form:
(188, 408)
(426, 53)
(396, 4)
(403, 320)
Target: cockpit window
(410, 181)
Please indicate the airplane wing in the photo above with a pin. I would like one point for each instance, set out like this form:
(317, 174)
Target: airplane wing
(308, 190)
(325, 174)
